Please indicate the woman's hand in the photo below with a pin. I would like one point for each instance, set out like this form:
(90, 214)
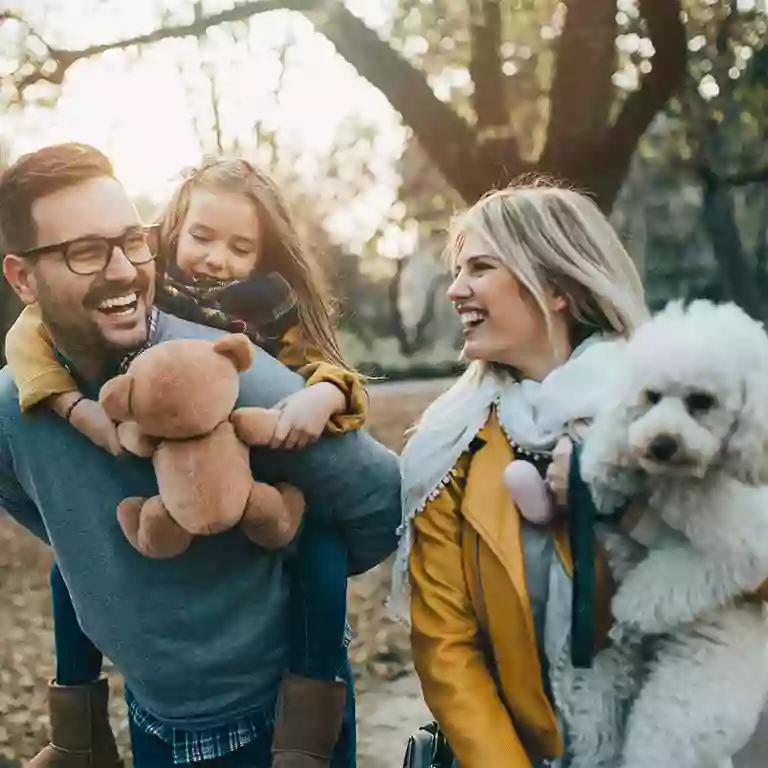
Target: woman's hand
(557, 472)
(304, 415)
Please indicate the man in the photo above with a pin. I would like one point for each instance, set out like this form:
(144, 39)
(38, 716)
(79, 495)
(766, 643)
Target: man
(200, 638)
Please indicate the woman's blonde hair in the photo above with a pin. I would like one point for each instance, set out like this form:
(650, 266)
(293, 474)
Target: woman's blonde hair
(283, 249)
(555, 239)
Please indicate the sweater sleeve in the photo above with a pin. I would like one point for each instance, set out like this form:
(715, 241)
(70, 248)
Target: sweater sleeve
(13, 498)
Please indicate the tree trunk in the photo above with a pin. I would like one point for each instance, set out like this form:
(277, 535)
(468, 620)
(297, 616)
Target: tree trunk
(719, 221)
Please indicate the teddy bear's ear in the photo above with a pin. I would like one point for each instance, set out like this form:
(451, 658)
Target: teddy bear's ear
(237, 347)
(115, 397)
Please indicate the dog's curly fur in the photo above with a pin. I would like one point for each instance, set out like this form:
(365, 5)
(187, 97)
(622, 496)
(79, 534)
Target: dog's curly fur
(688, 438)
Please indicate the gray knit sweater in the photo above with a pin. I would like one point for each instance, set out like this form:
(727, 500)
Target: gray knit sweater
(199, 638)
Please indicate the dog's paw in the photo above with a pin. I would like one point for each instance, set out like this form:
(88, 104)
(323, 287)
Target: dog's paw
(631, 612)
(619, 633)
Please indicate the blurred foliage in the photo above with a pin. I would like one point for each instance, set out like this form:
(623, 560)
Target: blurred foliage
(700, 177)
(691, 228)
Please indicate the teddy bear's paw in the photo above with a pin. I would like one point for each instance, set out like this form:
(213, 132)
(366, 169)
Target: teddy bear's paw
(255, 426)
(129, 517)
(150, 529)
(160, 536)
(273, 515)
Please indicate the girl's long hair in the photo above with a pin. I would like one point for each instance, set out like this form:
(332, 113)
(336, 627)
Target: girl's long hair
(283, 249)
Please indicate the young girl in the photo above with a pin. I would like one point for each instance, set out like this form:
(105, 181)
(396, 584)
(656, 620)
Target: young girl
(229, 256)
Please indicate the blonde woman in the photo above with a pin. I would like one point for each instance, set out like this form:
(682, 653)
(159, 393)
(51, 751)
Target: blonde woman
(546, 294)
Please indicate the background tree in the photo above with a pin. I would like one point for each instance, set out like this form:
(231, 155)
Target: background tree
(488, 89)
(592, 127)
(700, 175)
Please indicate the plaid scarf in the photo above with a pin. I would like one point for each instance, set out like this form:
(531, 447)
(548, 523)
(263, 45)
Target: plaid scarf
(263, 307)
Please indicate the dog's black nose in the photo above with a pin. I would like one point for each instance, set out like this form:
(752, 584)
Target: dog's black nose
(662, 448)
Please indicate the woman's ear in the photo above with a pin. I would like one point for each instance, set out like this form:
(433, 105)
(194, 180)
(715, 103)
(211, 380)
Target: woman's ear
(19, 272)
(557, 303)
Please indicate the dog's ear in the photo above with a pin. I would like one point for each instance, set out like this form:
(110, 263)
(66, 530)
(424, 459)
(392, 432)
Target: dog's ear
(748, 448)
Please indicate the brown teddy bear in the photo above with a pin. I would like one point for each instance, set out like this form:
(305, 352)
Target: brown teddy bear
(175, 404)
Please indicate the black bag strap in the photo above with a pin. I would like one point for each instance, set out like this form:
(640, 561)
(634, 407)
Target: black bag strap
(582, 512)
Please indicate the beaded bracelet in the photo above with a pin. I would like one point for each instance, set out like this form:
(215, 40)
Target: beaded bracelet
(72, 407)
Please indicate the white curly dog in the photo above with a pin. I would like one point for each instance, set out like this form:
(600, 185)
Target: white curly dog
(686, 677)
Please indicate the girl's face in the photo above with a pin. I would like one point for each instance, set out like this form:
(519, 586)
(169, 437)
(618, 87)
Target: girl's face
(501, 321)
(221, 236)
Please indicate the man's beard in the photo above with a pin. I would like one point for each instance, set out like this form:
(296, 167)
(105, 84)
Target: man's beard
(75, 333)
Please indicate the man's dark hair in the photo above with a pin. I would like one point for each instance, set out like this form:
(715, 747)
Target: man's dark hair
(37, 175)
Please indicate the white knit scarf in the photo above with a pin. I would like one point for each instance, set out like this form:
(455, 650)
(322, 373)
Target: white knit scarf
(534, 415)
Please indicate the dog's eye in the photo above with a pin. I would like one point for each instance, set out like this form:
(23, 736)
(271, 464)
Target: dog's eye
(652, 397)
(699, 402)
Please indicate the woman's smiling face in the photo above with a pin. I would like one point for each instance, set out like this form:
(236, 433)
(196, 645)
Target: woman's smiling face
(500, 319)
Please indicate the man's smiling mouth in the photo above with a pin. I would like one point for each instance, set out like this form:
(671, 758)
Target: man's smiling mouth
(119, 306)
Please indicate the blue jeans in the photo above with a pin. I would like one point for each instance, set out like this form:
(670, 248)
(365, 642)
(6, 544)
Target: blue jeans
(318, 609)
(78, 660)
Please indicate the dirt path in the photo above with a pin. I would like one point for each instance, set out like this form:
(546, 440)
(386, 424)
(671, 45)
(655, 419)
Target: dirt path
(387, 716)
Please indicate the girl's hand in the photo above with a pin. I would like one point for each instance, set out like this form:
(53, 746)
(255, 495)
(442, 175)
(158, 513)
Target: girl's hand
(305, 415)
(557, 472)
(90, 419)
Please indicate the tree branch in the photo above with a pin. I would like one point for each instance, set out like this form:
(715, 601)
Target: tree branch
(667, 33)
(582, 90)
(451, 142)
(448, 139)
(719, 221)
(485, 67)
(62, 59)
(741, 179)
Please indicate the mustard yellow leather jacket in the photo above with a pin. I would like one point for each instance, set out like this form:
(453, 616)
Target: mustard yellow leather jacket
(472, 523)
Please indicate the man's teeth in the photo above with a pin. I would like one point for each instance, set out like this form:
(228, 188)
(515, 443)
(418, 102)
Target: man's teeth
(119, 302)
(472, 318)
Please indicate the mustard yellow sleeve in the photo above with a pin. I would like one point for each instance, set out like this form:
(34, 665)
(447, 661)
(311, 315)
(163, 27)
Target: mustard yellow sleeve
(32, 361)
(294, 351)
(457, 685)
(308, 361)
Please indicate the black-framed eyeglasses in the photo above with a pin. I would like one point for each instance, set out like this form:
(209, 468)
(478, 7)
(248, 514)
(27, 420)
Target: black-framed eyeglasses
(92, 255)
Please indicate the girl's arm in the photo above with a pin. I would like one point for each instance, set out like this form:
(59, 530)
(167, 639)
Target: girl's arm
(456, 682)
(348, 411)
(37, 372)
(40, 376)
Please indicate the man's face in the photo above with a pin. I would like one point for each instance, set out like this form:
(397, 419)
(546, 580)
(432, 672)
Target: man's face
(105, 315)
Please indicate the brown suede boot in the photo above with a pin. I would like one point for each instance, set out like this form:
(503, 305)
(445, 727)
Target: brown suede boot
(81, 736)
(308, 723)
